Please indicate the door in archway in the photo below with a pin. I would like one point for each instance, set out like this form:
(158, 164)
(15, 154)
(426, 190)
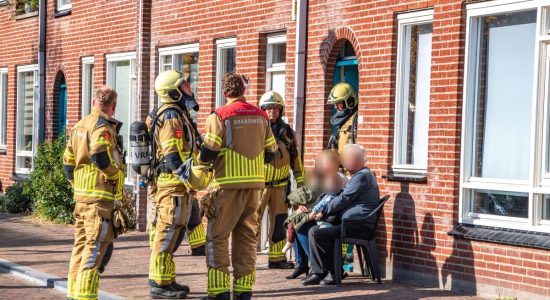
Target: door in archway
(346, 70)
(62, 106)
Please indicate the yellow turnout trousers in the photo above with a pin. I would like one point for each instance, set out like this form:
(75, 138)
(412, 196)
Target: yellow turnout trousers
(275, 200)
(172, 215)
(93, 235)
(232, 212)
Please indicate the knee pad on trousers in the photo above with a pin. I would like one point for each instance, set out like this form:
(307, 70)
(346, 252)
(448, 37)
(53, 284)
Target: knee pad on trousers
(279, 228)
(181, 236)
(106, 258)
(195, 218)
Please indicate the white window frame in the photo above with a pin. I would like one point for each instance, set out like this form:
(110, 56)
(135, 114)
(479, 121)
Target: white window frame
(533, 186)
(222, 44)
(23, 69)
(113, 58)
(274, 39)
(61, 6)
(405, 19)
(87, 62)
(3, 107)
(176, 50)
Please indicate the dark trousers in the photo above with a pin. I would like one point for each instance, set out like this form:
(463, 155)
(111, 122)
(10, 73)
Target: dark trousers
(321, 248)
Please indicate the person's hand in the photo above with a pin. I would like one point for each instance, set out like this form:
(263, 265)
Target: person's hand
(186, 88)
(318, 216)
(311, 216)
(303, 209)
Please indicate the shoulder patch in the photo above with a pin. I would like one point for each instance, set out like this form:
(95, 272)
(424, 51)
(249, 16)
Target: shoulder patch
(171, 114)
(106, 135)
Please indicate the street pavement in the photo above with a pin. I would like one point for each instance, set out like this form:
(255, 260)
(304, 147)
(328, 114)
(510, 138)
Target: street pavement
(47, 248)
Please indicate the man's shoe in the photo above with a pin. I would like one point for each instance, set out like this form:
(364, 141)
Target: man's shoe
(166, 292)
(313, 279)
(180, 287)
(297, 272)
(329, 280)
(199, 251)
(221, 296)
(283, 264)
(242, 296)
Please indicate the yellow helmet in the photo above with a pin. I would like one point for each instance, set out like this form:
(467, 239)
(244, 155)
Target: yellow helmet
(343, 92)
(167, 85)
(272, 98)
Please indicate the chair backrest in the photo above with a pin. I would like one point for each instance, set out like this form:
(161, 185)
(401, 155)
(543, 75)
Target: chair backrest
(372, 218)
(379, 209)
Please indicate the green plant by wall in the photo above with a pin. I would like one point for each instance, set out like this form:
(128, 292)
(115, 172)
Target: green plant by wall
(47, 186)
(14, 201)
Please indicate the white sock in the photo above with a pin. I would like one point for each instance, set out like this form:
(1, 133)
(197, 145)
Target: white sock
(287, 247)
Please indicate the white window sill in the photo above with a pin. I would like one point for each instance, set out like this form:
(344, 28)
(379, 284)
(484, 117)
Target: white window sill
(407, 173)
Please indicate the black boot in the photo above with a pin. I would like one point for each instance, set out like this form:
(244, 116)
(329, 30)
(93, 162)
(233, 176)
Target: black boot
(283, 264)
(297, 272)
(180, 287)
(199, 251)
(221, 296)
(167, 292)
(242, 296)
(313, 279)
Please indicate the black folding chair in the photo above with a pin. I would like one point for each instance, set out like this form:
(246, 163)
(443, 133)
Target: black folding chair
(365, 245)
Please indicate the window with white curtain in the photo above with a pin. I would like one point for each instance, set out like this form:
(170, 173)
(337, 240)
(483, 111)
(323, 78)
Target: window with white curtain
(64, 5)
(3, 106)
(226, 62)
(27, 93)
(414, 63)
(504, 163)
(276, 63)
(121, 75)
(87, 84)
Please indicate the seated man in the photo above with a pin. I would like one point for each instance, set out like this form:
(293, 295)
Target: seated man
(358, 199)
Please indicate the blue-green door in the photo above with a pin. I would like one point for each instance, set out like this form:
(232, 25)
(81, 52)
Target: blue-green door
(62, 107)
(346, 70)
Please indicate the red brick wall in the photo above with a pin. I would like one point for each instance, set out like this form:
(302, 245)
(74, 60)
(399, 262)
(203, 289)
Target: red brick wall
(19, 47)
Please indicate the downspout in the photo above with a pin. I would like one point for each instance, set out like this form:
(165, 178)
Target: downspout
(300, 71)
(39, 114)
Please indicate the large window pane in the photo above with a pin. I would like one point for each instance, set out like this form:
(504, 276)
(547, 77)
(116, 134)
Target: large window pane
(416, 57)
(87, 87)
(121, 83)
(189, 63)
(3, 106)
(501, 203)
(278, 54)
(546, 208)
(504, 98)
(25, 115)
(227, 62)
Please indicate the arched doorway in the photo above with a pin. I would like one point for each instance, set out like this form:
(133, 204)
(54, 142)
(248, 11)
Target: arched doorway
(60, 104)
(346, 69)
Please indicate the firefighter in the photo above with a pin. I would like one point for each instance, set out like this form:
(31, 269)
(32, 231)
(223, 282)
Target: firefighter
(238, 142)
(345, 101)
(173, 140)
(93, 163)
(277, 185)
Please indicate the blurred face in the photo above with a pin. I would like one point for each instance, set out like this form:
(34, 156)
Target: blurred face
(273, 112)
(354, 160)
(339, 106)
(326, 173)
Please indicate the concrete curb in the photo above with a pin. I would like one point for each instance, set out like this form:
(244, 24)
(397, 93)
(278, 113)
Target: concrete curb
(45, 279)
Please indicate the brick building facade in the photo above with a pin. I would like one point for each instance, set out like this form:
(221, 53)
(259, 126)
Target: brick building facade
(452, 108)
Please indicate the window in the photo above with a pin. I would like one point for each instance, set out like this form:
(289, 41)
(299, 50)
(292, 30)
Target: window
(226, 62)
(63, 5)
(276, 63)
(184, 58)
(3, 106)
(121, 75)
(87, 84)
(504, 162)
(27, 90)
(413, 92)
(25, 6)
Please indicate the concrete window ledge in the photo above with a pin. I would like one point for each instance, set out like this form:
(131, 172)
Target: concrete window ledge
(416, 178)
(26, 16)
(62, 13)
(500, 235)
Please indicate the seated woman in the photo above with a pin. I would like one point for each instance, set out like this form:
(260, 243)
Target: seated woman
(328, 182)
(358, 199)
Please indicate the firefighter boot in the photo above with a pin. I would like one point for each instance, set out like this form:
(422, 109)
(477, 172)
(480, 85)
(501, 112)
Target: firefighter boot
(221, 296)
(167, 292)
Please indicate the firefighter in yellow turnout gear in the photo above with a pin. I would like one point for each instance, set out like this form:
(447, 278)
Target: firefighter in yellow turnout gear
(345, 101)
(93, 163)
(238, 141)
(277, 177)
(173, 142)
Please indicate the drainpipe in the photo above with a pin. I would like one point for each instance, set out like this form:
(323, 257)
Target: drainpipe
(300, 71)
(39, 114)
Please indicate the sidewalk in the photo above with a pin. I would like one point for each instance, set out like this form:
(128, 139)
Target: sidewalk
(47, 248)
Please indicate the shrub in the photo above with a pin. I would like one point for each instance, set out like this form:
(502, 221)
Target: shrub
(47, 186)
(14, 200)
(128, 206)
